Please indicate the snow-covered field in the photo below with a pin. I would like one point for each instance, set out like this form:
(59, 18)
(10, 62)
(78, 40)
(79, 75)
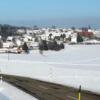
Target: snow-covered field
(8, 92)
(74, 66)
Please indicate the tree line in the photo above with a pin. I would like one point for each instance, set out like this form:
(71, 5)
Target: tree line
(50, 45)
(9, 30)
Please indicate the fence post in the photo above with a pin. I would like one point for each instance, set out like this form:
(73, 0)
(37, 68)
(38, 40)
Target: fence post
(79, 93)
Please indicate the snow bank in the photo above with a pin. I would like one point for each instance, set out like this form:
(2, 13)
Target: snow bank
(8, 92)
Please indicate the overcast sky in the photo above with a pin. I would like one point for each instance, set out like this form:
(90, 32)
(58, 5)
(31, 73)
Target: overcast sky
(50, 12)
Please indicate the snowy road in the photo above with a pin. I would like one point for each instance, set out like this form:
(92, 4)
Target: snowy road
(47, 91)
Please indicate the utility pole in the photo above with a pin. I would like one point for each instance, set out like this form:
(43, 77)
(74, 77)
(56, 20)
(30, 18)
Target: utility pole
(1, 78)
(8, 53)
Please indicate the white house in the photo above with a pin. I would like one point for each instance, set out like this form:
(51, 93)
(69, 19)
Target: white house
(0, 37)
(20, 31)
(93, 41)
(74, 38)
(10, 38)
(18, 42)
(97, 33)
(8, 44)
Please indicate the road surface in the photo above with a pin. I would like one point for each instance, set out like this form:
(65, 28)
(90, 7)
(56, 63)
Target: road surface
(47, 91)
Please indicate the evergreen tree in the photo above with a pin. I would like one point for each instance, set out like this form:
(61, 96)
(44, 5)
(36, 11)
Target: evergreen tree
(25, 47)
(1, 44)
(45, 47)
(61, 45)
(79, 38)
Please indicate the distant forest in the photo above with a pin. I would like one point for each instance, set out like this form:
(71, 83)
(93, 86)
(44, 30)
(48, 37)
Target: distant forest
(9, 30)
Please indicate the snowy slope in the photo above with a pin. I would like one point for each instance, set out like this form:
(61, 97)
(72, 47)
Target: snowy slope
(74, 66)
